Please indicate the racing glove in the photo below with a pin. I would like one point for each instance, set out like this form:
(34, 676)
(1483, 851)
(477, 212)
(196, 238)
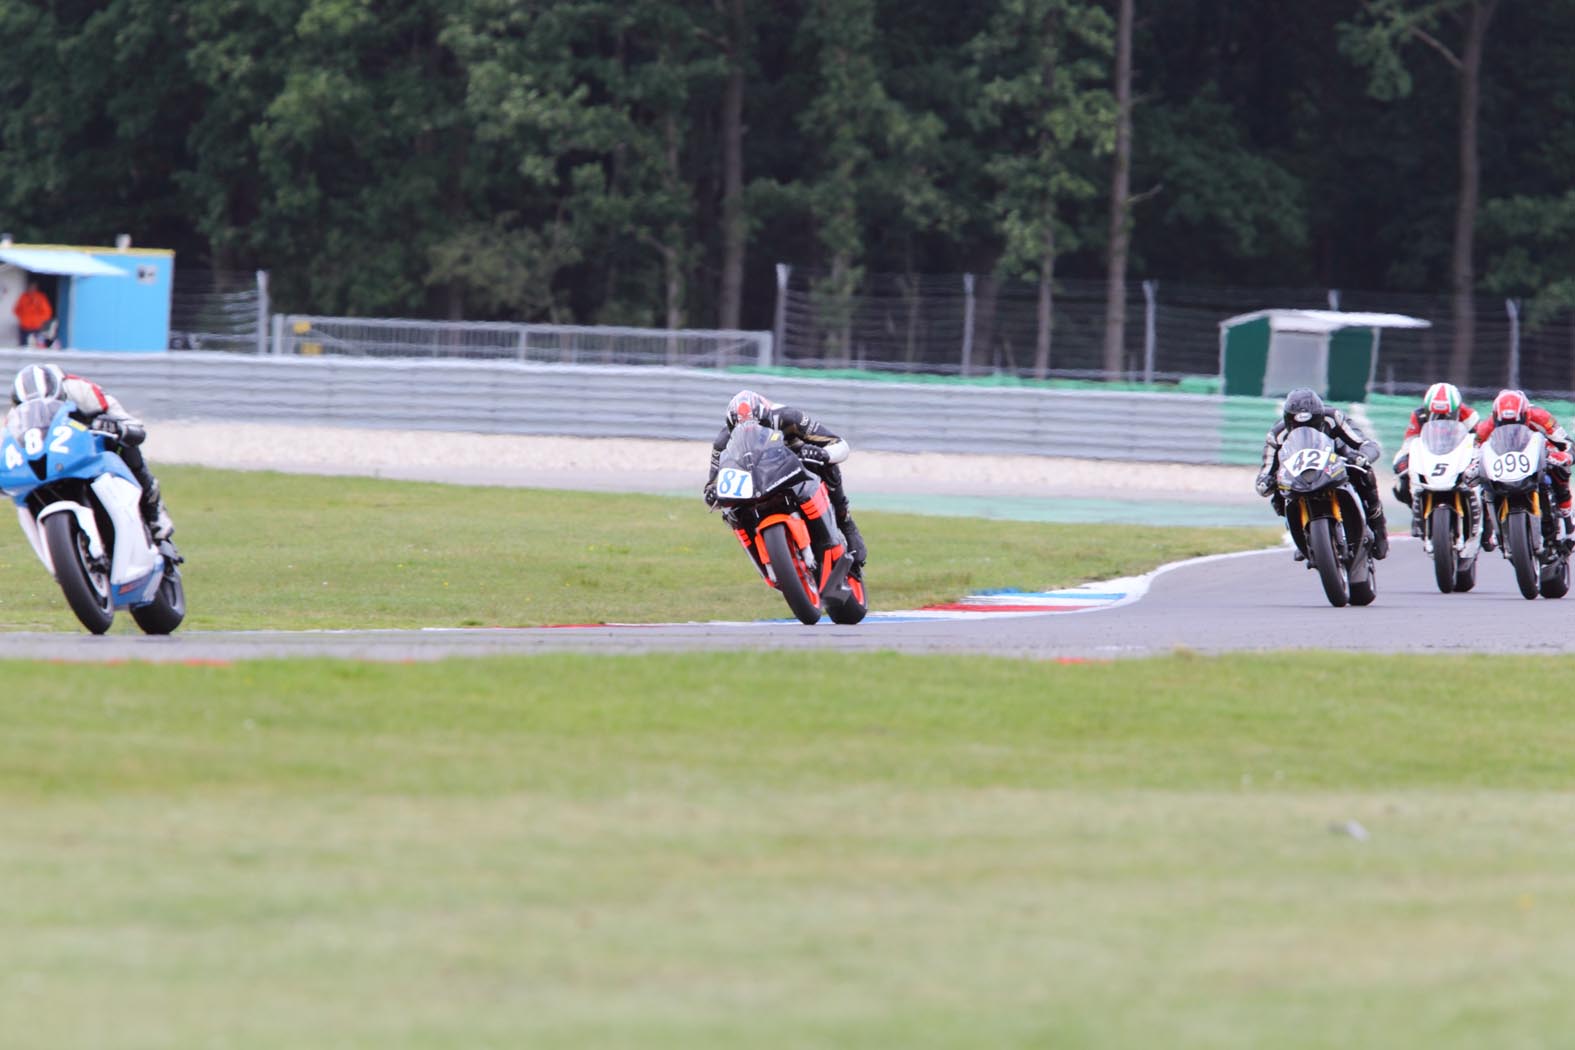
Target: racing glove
(1263, 483)
(813, 454)
(710, 496)
(123, 431)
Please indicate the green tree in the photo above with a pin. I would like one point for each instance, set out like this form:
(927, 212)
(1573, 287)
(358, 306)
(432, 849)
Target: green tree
(1043, 67)
(1378, 40)
(92, 133)
(846, 119)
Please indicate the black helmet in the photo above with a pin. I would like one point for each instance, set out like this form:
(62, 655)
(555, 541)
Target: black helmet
(1303, 408)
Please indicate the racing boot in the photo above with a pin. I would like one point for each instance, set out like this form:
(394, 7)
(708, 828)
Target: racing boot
(1375, 521)
(1482, 511)
(1566, 526)
(824, 535)
(850, 532)
(153, 512)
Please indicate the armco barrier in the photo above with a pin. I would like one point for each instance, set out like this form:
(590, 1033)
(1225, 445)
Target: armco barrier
(508, 398)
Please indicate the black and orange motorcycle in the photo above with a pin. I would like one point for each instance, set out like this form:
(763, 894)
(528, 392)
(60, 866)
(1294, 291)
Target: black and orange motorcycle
(779, 511)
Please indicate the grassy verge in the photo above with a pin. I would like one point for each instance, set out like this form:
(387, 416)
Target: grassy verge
(883, 851)
(285, 551)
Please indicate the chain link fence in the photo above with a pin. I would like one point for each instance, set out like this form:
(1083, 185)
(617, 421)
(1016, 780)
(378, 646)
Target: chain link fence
(972, 325)
(920, 325)
(219, 310)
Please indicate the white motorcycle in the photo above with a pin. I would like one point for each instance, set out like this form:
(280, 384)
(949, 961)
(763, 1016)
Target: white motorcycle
(1515, 474)
(1446, 499)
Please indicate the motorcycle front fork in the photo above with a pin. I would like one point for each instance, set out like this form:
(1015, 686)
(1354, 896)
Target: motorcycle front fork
(1477, 507)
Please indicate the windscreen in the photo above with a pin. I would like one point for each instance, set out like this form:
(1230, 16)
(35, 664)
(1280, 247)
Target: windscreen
(763, 453)
(1308, 460)
(31, 415)
(1443, 436)
(1304, 438)
(1509, 437)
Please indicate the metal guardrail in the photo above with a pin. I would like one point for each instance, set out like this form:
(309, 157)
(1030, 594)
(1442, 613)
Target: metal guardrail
(508, 398)
(524, 343)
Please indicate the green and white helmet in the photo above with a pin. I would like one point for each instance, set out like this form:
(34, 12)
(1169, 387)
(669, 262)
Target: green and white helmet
(1442, 401)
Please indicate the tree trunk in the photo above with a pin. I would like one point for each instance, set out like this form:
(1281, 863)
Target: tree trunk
(1046, 302)
(1463, 272)
(1120, 188)
(1050, 33)
(673, 253)
(1572, 349)
(733, 232)
(987, 297)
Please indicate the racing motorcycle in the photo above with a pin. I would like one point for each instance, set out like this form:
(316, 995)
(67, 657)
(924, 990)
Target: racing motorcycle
(1445, 497)
(1325, 516)
(760, 485)
(1515, 475)
(78, 505)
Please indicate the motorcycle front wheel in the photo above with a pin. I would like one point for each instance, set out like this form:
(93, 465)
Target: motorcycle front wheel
(86, 589)
(1445, 568)
(792, 575)
(1336, 584)
(1522, 551)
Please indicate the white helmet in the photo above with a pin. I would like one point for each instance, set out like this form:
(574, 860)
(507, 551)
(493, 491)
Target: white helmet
(37, 383)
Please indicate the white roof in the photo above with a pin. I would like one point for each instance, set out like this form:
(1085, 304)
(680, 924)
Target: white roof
(1326, 320)
(63, 261)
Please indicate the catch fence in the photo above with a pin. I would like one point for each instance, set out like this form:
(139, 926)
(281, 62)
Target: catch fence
(971, 325)
(921, 325)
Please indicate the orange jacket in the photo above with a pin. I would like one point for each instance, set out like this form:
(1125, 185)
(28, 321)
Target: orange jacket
(33, 310)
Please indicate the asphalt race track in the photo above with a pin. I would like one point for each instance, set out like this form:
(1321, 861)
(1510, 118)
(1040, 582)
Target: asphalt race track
(1258, 600)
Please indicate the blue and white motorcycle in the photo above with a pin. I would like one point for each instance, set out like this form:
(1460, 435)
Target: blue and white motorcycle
(78, 504)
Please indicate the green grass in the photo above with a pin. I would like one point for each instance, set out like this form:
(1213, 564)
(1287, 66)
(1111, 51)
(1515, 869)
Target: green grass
(269, 550)
(763, 851)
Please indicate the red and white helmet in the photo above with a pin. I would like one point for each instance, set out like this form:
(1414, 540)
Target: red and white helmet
(1511, 406)
(1442, 401)
(746, 406)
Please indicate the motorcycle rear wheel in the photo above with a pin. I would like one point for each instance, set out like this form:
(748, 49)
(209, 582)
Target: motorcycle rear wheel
(87, 592)
(1363, 592)
(791, 574)
(851, 609)
(1445, 567)
(167, 609)
(1336, 584)
(1466, 577)
(1556, 579)
(1522, 552)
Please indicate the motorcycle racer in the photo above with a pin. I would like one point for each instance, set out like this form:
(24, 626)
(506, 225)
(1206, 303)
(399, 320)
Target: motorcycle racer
(103, 413)
(1513, 406)
(1442, 401)
(818, 447)
(1304, 408)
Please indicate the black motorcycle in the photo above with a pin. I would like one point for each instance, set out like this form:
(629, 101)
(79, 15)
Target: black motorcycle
(1325, 517)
